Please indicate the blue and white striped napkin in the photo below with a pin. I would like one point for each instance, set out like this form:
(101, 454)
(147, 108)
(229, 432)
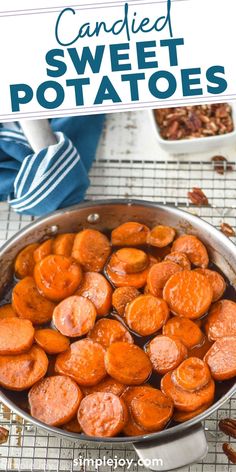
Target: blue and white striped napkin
(55, 177)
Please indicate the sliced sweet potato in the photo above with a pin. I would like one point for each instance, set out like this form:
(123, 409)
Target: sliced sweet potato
(43, 250)
(152, 410)
(146, 314)
(221, 358)
(194, 248)
(51, 341)
(129, 234)
(179, 258)
(108, 385)
(166, 353)
(91, 249)
(185, 400)
(161, 236)
(192, 374)
(75, 316)
(55, 400)
(7, 311)
(216, 281)
(121, 297)
(128, 261)
(83, 362)
(127, 363)
(185, 330)
(16, 336)
(131, 428)
(20, 372)
(221, 320)
(24, 263)
(29, 304)
(159, 274)
(97, 289)
(63, 244)
(188, 294)
(57, 277)
(106, 332)
(102, 414)
(182, 416)
(126, 280)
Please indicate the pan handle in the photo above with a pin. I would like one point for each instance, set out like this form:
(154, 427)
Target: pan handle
(165, 455)
(39, 133)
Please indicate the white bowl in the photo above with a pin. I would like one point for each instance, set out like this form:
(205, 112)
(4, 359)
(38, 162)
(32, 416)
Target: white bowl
(194, 145)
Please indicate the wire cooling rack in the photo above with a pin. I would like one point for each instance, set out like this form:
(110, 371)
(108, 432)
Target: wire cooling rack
(126, 174)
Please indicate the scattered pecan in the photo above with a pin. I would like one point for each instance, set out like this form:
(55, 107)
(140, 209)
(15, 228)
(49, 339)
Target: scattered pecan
(227, 230)
(228, 426)
(4, 433)
(198, 197)
(194, 121)
(221, 165)
(230, 452)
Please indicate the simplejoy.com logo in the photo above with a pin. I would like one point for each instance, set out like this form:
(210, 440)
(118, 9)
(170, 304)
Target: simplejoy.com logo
(89, 463)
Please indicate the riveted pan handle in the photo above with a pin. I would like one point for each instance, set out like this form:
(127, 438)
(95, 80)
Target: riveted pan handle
(177, 451)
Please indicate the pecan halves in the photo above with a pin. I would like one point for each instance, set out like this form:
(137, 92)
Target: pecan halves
(221, 165)
(228, 426)
(229, 452)
(198, 197)
(4, 433)
(227, 230)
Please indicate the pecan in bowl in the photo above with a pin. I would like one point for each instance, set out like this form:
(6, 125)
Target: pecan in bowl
(194, 121)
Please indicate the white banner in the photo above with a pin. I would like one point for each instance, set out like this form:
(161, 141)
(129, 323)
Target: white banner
(60, 58)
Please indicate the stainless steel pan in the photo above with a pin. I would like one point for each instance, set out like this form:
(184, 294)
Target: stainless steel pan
(179, 445)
